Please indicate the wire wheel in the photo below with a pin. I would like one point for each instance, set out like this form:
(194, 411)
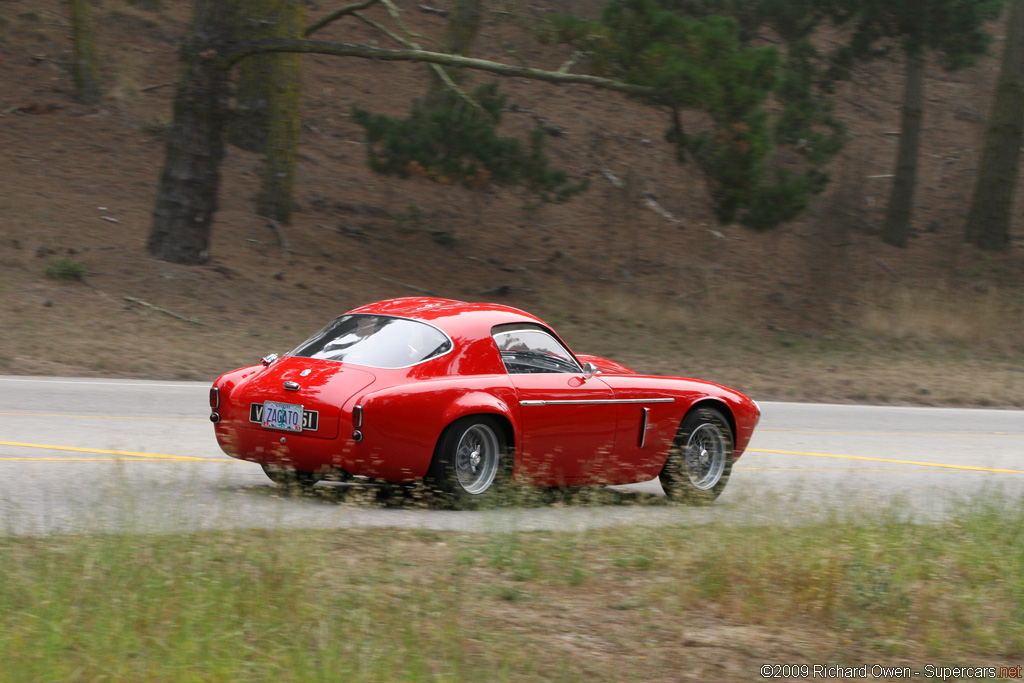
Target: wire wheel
(700, 460)
(705, 456)
(472, 462)
(476, 459)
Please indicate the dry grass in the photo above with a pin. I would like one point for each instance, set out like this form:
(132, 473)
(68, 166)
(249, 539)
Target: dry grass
(991, 320)
(690, 603)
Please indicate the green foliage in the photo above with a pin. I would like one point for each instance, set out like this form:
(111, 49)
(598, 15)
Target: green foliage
(952, 28)
(444, 237)
(696, 59)
(157, 129)
(65, 269)
(452, 142)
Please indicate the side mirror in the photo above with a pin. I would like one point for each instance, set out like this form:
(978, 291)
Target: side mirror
(270, 358)
(589, 370)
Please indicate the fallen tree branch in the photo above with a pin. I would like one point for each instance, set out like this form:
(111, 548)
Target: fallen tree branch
(613, 179)
(194, 321)
(338, 14)
(282, 239)
(564, 69)
(393, 282)
(432, 10)
(648, 200)
(657, 208)
(272, 45)
(505, 290)
(885, 266)
(150, 88)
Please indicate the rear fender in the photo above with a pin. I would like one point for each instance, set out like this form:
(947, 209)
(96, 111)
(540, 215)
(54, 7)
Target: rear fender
(476, 403)
(402, 425)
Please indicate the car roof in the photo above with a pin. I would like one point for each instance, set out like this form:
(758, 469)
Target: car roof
(457, 318)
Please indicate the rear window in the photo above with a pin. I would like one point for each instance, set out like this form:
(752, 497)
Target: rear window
(376, 341)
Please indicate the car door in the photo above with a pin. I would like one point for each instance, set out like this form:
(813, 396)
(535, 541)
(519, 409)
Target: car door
(568, 420)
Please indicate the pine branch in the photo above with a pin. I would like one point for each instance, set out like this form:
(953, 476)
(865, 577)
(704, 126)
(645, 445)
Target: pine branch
(338, 14)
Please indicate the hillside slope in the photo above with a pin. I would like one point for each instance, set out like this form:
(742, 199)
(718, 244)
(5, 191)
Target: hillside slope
(819, 309)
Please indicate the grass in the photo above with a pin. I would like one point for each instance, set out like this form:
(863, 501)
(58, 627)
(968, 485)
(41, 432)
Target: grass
(64, 269)
(613, 604)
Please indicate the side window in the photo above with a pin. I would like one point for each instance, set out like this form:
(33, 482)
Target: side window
(529, 350)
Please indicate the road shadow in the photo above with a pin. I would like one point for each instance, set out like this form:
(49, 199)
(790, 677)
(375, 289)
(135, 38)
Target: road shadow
(417, 496)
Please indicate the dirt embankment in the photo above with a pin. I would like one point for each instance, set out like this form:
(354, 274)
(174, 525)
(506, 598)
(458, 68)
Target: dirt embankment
(817, 310)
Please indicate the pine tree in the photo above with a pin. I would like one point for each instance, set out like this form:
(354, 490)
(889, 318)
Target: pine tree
(187, 197)
(988, 223)
(705, 61)
(84, 64)
(951, 29)
(283, 88)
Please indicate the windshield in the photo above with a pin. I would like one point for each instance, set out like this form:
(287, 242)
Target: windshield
(377, 341)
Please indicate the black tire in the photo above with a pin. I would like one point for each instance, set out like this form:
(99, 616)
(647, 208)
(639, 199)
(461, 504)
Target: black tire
(472, 462)
(700, 460)
(290, 478)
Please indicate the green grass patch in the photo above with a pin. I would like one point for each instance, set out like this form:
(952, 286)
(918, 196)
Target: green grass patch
(612, 604)
(65, 269)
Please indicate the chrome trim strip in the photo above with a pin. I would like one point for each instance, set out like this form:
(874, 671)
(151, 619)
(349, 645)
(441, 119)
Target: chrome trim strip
(597, 401)
(643, 426)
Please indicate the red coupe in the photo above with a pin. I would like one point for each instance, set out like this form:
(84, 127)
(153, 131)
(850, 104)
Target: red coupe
(470, 397)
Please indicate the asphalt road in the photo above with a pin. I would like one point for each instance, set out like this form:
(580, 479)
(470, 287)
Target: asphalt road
(92, 454)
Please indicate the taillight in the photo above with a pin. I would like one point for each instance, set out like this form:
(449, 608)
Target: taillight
(214, 397)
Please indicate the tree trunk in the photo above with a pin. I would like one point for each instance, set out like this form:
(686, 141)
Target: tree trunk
(988, 223)
(187, 198)
(84, 65)
(255, 19)
(901, 200)
(285, 119)
(463, 25)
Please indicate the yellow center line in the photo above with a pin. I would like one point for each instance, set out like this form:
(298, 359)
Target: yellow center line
(899, 470)
(102, 460)
(109, 417)
(897, 462)
(993, 435)
(76, 449)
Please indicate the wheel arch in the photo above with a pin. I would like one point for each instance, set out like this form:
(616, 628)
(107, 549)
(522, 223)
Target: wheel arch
(720, 406)
(503, 420)
(438, 472)
(479, 403)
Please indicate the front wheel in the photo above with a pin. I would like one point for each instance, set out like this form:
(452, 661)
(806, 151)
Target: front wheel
(700, 459)
(471, 461)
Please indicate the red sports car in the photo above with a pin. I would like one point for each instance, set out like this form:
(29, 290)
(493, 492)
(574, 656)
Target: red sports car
(470, 397)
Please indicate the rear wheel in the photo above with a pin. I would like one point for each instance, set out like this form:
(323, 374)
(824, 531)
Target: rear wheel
(290, 477)
(471, 461)
(700, 459)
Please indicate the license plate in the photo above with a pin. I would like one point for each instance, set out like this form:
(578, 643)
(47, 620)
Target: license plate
(310, 418)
